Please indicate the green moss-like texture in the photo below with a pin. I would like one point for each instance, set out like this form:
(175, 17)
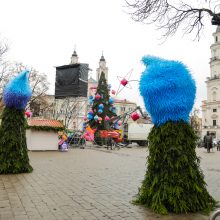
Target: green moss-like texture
(13, 147)
(174, 181)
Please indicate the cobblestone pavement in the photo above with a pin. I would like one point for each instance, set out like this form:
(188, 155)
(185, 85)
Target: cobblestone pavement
(89, 184)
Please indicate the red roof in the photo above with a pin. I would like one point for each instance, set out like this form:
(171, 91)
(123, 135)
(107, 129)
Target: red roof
(44, 122)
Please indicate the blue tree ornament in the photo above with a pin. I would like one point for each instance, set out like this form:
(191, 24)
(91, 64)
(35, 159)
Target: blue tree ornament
(96, 117)
(111, 100)
(101, 106)
(100, 111)
(17, 92)
(168, 90)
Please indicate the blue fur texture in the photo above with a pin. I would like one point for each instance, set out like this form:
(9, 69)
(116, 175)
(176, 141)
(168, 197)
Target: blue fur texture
(17, 92)
(168, 90)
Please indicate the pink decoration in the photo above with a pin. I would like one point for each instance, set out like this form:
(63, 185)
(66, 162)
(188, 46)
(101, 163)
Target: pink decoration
(113, 92)
(124, 82)
(89, 136)
(28, 114)
(85, 118)
(99, 118)
(97, 96)
(135, 116)
(119, 123)
(107, 118)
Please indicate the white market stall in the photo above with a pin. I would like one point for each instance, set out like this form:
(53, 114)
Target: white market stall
(42, 134)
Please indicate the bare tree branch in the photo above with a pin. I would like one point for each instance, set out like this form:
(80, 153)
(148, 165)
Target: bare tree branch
(169, 16)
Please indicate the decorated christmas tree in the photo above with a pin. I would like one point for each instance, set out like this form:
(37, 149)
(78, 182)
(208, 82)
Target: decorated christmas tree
(173, 181)
(102, 109)
(13, 147)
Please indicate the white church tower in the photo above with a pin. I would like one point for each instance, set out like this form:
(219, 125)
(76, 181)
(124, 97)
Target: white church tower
(74, 58)
(211, 106)
(102, 68)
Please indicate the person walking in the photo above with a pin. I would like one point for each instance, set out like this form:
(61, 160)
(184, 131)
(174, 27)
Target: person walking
(208, 141)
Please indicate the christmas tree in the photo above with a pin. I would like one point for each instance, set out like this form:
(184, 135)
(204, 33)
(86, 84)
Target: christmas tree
(102, 109)
(13, 147)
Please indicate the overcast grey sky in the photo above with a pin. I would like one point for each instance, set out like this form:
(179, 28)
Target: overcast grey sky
(42, 34)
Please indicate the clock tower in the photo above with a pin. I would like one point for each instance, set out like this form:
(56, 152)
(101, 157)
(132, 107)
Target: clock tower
(211, 106)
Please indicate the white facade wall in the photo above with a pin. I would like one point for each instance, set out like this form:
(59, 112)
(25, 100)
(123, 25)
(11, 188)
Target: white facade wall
(122, 107)
(41, 140)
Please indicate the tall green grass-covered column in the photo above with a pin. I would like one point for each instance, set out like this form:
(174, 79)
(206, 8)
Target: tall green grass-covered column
(173, 181)
(13, 147)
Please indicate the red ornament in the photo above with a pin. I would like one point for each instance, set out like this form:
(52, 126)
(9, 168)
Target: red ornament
(124, 82)
(135, 116)
(97, 96)
(113, 92)
(28, 114)
(107, 118)
(85, 118)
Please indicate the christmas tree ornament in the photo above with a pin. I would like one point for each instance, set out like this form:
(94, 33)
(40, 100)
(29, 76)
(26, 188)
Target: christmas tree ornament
(97, 96)
(101, 106)
(107, 118)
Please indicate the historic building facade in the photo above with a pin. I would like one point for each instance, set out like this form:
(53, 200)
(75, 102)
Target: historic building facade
(211, 106)
(71, 110)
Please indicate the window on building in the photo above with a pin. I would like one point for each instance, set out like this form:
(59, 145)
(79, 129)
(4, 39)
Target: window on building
(130, 109)
(214, 110)
(216, 39)
(214, 122)
(122, 109)
(214, 96)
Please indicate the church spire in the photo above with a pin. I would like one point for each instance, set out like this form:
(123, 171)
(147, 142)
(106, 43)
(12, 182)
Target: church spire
(102, 57)
(102, 68)
(74, 57)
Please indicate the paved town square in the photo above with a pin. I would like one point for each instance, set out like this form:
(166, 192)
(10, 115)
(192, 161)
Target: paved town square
(89, 184)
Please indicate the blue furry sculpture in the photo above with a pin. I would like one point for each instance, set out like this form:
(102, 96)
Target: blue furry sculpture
(13, 147)
(17, 92)
(168, 90)
(173, 181)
